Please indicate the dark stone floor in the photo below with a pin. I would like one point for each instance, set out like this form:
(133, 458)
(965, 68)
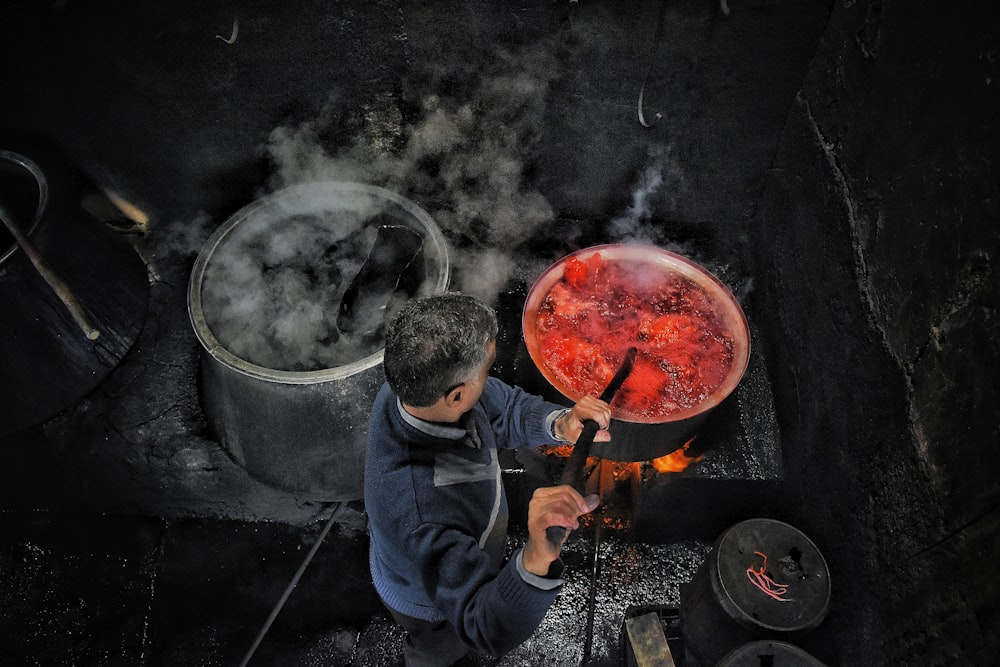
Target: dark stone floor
(86, 587)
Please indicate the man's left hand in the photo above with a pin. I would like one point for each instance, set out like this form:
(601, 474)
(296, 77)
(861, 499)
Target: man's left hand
(569, 426)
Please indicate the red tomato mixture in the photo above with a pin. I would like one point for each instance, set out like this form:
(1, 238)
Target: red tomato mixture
(599, 308)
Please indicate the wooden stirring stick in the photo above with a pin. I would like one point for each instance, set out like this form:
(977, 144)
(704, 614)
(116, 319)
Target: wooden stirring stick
(51, 279)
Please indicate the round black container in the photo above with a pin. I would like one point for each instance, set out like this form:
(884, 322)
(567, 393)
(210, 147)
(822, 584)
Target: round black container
(723, 608)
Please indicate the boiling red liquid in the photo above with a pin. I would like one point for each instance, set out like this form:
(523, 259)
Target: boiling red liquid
(601, 308)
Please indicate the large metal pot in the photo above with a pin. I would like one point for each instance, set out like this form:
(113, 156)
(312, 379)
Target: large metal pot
(300, 427)
(638, 437)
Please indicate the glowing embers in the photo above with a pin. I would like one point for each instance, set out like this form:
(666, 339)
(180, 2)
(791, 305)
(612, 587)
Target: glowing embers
(600, 307)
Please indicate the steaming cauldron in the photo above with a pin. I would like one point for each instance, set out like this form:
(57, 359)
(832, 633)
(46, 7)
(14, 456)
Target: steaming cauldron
(284, 388)
(587, 309)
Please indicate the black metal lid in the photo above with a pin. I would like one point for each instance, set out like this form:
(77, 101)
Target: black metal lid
(771, 575)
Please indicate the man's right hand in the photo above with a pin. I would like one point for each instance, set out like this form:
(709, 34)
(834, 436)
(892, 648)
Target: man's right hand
(552, 506)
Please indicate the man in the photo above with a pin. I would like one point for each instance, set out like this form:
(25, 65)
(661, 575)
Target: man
(433, 489)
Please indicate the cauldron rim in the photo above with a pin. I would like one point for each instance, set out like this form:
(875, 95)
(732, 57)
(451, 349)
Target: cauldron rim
(220, 353)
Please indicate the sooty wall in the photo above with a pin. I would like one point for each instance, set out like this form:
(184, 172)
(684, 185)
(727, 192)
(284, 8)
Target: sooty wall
(876, 244)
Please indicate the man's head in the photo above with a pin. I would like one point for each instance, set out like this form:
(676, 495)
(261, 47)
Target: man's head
(436, 344)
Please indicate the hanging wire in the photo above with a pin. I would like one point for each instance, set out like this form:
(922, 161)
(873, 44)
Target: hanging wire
(292, 584)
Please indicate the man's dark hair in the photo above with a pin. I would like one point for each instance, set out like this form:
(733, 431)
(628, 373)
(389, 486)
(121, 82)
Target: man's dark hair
(435, 343)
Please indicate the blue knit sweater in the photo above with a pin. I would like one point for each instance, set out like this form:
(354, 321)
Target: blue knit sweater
(438, 516)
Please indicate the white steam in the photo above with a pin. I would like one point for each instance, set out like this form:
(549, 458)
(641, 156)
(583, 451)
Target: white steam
(656, 182)
(463, 160)
(271, 295)
(182, 238)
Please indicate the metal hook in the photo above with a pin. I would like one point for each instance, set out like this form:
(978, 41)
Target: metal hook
(642, 119)
(649, 69)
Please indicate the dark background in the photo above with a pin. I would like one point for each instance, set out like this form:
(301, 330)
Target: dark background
(832, 162)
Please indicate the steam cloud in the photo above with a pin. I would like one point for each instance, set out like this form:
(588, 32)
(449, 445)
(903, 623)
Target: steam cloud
(463, 156)
(463, 160)
(271, 297)
(660, 178)
(634, 225)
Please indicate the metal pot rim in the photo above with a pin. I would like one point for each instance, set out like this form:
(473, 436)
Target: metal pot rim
(733, 312)
(41, 181)
(320, 189)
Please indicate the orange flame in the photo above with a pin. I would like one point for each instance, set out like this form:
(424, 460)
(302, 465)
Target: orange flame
(676, 461)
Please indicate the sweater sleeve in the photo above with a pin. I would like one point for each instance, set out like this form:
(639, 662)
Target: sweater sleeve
(492, 612)
(518, 419)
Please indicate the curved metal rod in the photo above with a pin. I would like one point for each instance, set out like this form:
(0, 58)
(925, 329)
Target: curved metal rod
(649, 69)
(642, 119)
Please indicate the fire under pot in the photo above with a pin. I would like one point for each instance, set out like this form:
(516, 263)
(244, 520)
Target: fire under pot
(289, 299)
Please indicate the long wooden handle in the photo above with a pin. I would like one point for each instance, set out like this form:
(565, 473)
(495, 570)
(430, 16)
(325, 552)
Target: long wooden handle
(573, 471)
(60, 288)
